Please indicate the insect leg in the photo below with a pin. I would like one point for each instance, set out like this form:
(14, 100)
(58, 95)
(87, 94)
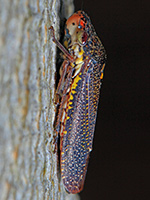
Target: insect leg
(62, 91)
(60, 46)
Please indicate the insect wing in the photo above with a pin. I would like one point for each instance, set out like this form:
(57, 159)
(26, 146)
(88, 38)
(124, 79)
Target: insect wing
(77, 138)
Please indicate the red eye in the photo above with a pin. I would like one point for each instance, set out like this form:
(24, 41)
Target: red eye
(82, 23)
(84, 37)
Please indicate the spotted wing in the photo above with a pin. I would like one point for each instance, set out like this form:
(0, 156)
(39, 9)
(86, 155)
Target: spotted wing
(79, 125)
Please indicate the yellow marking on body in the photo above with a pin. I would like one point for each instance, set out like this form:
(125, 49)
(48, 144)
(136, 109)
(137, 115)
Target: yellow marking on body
(72, 64)
(66, 43)
(71, 97)
(69, 107)
(79, 60)
(70, 102)
(73, 91)
(81, 52)
(77, 69)
(78, 66)
(76, 80)
(65, 132)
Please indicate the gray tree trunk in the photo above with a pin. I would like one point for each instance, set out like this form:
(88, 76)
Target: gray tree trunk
(28, 164)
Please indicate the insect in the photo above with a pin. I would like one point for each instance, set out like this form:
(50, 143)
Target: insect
(77, 97)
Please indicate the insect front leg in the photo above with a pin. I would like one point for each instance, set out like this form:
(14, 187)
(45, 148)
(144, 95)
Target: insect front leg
(60, 46)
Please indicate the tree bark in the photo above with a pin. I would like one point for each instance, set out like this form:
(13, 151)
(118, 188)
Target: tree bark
(28, 163)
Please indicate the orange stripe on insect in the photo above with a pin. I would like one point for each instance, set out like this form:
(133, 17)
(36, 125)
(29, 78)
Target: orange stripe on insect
(102, 75)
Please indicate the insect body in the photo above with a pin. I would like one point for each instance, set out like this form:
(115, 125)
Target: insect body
(77, 97)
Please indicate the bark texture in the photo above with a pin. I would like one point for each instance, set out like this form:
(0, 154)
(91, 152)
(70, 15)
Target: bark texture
(28, 164)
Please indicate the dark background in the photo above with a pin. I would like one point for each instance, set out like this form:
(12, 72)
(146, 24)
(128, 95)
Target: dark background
(119, 166)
